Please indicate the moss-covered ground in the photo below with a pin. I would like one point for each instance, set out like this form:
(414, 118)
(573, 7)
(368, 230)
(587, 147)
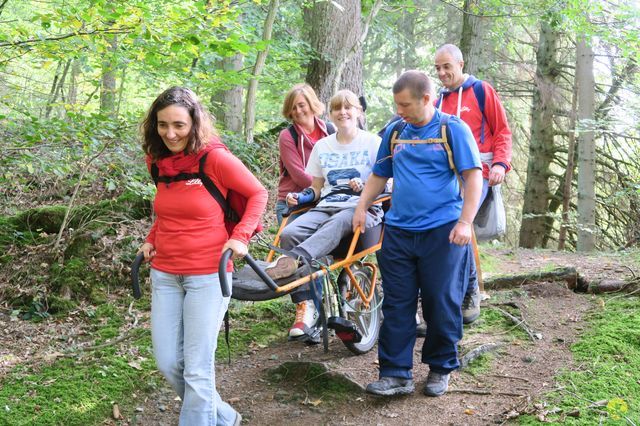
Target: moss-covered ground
(604, 387)
(81, 386)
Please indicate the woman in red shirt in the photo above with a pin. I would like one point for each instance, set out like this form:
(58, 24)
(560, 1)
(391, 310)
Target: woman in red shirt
(302, 107)
(184, 246)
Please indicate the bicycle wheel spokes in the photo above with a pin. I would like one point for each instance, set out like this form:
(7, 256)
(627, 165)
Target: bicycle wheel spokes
(366, 318)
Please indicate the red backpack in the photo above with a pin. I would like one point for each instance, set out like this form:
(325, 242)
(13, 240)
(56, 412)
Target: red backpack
(233, 206)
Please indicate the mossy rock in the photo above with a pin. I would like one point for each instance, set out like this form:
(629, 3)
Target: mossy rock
(59, 304)
(7, 233)
(47, 219)
(81, 245)
(76, 280)
(316, 378)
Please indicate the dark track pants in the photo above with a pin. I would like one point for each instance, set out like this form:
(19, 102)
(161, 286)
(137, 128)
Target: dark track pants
(421, 261)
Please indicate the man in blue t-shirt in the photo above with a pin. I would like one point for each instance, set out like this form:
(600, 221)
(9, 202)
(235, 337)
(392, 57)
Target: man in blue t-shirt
(426, 243)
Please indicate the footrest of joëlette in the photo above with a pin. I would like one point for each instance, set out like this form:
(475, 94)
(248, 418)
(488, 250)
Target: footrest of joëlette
(248, 286)
(312, 336)
(345, 329)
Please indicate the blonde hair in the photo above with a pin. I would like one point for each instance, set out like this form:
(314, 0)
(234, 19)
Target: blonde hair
(344, 97)
(309, 94)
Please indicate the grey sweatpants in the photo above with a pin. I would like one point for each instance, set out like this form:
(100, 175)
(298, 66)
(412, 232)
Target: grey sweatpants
(318, 232)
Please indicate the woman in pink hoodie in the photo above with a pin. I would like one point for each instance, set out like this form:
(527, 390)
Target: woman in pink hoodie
(302, 107)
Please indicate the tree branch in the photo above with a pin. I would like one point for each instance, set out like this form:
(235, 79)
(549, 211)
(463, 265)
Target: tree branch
(64, 36)
(3, 5)
(84, 170)
(257, 70)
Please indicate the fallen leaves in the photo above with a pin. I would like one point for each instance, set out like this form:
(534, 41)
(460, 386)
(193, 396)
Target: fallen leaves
(313, 403)
(135, 364)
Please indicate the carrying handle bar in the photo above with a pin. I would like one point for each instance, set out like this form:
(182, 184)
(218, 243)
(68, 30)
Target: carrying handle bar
(226, 286)
(135, 268)
(224, 283)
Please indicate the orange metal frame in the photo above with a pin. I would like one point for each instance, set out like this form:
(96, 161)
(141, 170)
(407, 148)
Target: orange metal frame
(349, 259)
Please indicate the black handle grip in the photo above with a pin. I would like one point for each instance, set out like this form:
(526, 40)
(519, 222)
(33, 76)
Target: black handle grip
(135, 268)
(226, 286)
(222, 273)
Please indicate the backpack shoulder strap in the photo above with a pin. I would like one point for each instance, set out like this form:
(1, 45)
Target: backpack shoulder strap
(478, 90)
(446, 137)
(438, 100)
(331, 129)
(294, 133)
(397, 130)
(155, 173)
(211, 187)
(445, 133)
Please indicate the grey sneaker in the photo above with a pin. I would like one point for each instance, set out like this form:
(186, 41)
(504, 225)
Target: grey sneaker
(282, 267)
(471, 306)
(391, 386)
(437, 384)
(238, 420)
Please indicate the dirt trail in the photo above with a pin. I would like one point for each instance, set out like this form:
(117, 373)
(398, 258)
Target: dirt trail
(520, 371)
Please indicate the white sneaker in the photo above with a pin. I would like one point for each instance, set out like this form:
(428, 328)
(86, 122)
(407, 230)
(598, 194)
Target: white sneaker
(306, 317)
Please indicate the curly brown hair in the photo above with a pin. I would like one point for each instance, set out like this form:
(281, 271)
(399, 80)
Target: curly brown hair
(201, 129)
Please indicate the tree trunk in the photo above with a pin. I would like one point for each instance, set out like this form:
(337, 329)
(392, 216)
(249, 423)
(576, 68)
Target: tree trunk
(355, 49)
(541, 147)
(250, 107)
(58, 88)
(108, 81)
(568, 274)
(72, 97)
(453, 34)
(121, 89)
(52, 92)
(586, 147)
(409, 53)
(227, 104)
(470, 40)
(568, 176)
(334, 29)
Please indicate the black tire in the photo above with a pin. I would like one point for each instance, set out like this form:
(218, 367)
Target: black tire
(367, 320)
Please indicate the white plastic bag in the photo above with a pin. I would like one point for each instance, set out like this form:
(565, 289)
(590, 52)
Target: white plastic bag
(491, 220)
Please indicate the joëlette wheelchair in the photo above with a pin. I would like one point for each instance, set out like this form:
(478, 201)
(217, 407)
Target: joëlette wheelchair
(344, 283)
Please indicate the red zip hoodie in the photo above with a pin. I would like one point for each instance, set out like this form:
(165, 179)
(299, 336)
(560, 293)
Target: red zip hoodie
(497, 135)
(188, 232)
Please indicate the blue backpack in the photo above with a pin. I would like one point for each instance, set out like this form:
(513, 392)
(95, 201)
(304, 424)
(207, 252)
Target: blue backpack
(478, 90)
(445, 139)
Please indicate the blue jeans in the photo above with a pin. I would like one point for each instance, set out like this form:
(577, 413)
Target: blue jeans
(186, 314)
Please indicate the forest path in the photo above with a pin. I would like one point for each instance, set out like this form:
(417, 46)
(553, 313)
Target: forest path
(519, 372)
